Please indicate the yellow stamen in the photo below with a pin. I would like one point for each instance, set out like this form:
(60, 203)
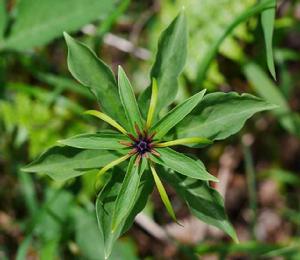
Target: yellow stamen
(188, 140)
(107, 119)
(152, 105)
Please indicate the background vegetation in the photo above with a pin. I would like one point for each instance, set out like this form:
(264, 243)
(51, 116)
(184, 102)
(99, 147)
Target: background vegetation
(40, 103)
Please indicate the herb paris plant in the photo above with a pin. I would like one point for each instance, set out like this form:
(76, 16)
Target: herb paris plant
(144, 139)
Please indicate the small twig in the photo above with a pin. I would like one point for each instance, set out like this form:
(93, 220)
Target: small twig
(152, 228)
(119, 43)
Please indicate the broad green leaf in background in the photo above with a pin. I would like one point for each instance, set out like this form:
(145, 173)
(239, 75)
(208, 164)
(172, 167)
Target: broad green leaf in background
(256, 249)
(169, 62)
(265, 87)
(3, 18)
(204, 202)
(93, 73)
(204, 31)
(39, 22)
(128, 100)
(129, 189)
(62, 163)
(109, 141)
(209, 56)
(267, 21)
(86, 227)
(63, 83)
(182, 164)
(220, 115)
(105, 204)
(171, 119)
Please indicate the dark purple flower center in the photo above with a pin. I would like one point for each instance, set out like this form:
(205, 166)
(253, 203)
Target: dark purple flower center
(142, 146)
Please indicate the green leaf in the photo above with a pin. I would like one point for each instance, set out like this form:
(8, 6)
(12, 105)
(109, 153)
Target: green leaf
(267, 21)
(182, 164)
(93, 73)
(105, 205)
(62, 163)
(3, 18)
(265, 87)
(210, 55)
(128, 100)
(169, 62)
(109, 141)
(39, 22)
(220, 115)
(178, 113)
(129, 189)
(204, 202)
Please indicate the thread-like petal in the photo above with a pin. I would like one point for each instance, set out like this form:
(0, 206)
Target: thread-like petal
(188, 140)
(107, 119)
(153, 103)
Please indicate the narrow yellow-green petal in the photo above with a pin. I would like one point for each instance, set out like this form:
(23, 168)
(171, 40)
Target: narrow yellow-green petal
(107, 119)
(188, 140)
(162, 192)
(113, 163)
(153, 103)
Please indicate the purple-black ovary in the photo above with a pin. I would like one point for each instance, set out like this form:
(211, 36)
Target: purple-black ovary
(142, 146)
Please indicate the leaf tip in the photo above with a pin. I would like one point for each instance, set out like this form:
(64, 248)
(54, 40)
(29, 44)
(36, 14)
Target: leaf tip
(67, 36)
(213, 178)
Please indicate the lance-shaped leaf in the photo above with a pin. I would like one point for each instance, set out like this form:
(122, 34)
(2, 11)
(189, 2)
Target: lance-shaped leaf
(220, 115)
(169, 62)
(105, 205)
(128, 100)
(204, 202)
(109, 141)
(93, 73)
(182, 164)
(129, 189)
(267, 21)
(62, 163)
(178, 113)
